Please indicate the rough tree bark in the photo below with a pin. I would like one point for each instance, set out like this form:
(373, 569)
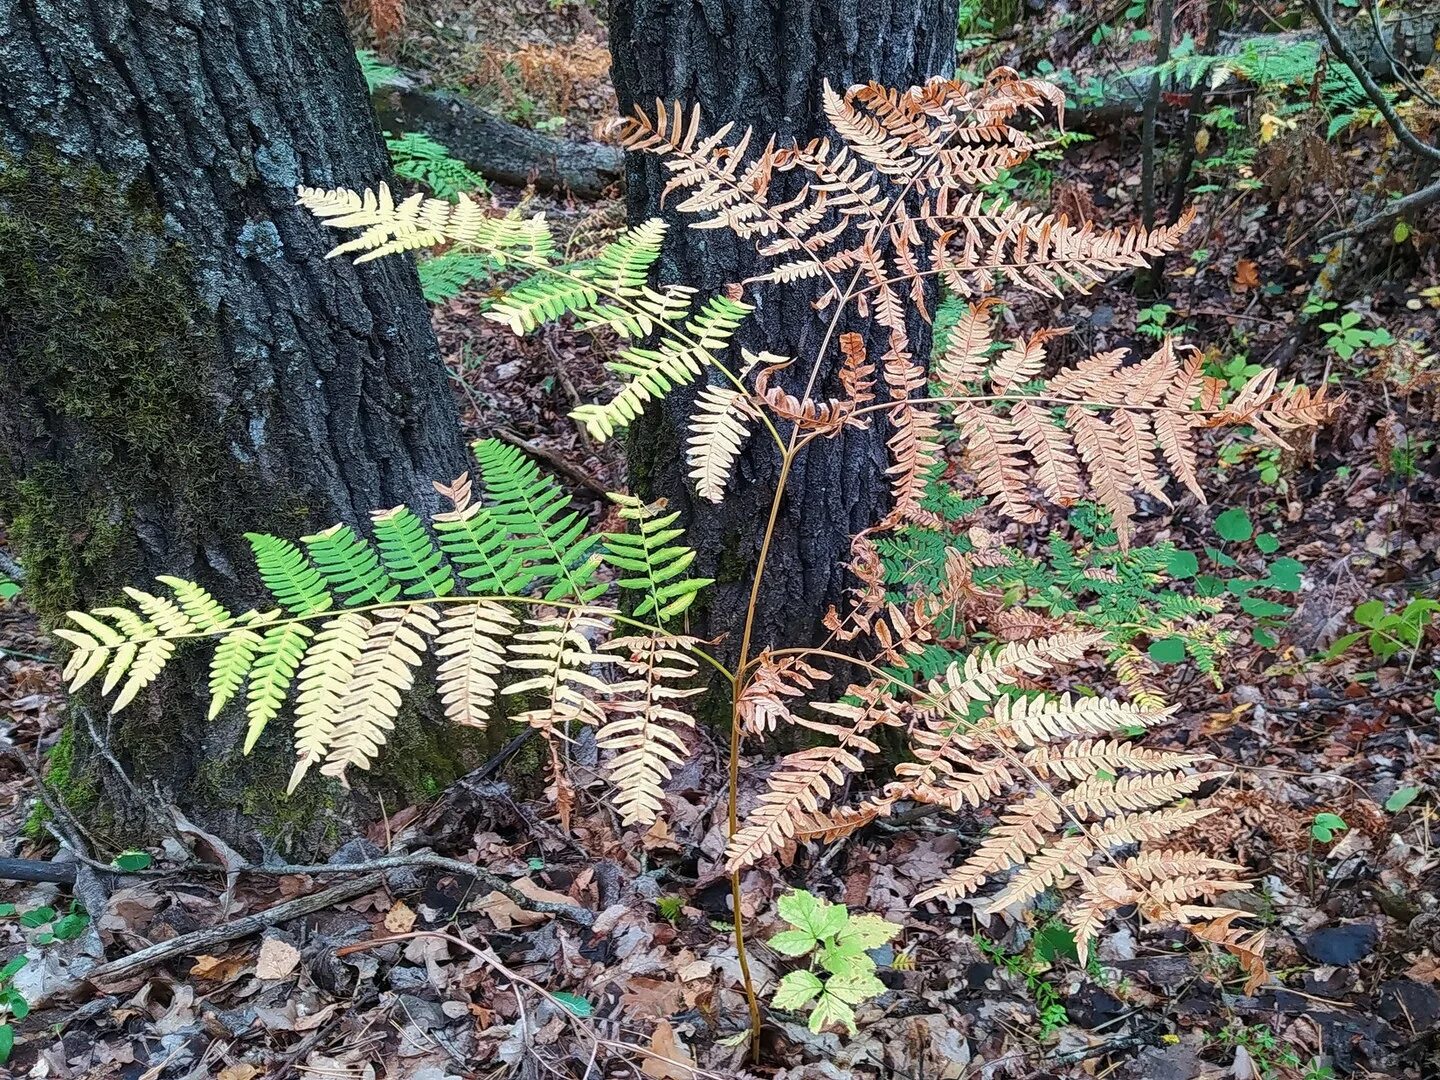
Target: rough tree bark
(764, 64)
(179, 364)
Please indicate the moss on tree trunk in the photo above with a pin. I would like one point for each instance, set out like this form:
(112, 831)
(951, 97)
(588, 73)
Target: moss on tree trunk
(180, 365)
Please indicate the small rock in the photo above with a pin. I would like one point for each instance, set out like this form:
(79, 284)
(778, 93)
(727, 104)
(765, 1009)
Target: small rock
(1410, 1005)
(1341, 945)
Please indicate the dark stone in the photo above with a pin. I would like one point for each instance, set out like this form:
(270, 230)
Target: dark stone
(1093, 1006)
(1410, 1005)
(1348, 943)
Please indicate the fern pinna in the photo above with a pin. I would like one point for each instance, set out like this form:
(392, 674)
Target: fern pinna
(890, 200)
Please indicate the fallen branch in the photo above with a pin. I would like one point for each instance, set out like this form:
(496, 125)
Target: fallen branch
(1416, 200)
(576, 914)
(202, 941)
(499, 150)
(37, 870)
(1372, 89)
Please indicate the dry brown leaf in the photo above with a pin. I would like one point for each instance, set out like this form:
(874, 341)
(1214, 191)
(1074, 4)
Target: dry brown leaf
(1247, 275)
(528, 888)
(505, 913)
(277, 959)
(672, 1060)
(219, 968)
(400, 919)
(238, 1072)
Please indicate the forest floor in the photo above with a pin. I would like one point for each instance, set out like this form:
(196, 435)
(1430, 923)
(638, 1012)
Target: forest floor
(484, 986)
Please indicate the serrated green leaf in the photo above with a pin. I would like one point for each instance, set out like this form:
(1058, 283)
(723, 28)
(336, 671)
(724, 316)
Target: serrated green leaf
(796, 990)
(793, 942)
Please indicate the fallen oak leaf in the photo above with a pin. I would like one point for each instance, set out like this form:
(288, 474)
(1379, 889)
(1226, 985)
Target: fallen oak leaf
(277, 959)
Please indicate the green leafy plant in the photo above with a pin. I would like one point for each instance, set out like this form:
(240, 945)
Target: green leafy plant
(511, 586)
(420, 158)
(13, 1006)
(1030, 965)
(9, 590)
(1326, 826)
(1348, 337)
(841, 974)
(1389, 633)
(378, 75)
(1272, 1056)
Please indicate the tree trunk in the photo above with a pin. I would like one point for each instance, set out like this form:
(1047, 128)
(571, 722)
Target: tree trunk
(765, 65)
(178, 362)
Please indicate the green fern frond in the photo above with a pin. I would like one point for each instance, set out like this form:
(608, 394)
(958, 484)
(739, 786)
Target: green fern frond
(350, 566)
(653, 373)
(290, 578)
(542, 528)
(230, 666)
(448, 274)
(377, 73)
(477, 543)
(655, 561)
(410, 555)
(276, 659)
(420, 158)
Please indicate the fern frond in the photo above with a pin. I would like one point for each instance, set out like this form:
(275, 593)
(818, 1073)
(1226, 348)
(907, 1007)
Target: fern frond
(539, 523)
(642, 726)
(419, 222)
(559, 652)
(350, 566)
(418, 157)
(718, 427)
(656, 564)
(394, 644)
(470, 648)
(409, 554)
(324, 679)
(290, 578)
(272, 669)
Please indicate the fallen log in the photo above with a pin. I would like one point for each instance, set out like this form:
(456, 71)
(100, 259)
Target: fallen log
(499, 150)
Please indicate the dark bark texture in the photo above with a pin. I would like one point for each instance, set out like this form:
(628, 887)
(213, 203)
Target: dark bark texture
(178, 361)
(764, 65)
(499, 150)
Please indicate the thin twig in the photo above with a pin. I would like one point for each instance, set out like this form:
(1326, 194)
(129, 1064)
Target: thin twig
(1416, 200)
(556, 461)
(1372, 89)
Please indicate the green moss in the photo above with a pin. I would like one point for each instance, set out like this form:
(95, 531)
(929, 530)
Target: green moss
(111, 363)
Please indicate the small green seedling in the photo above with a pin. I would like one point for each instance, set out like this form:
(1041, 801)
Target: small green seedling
(1401, 799)
(1347, 337)
(13, 1006)
(1326, 826)
(836, 943)
(1389, 633)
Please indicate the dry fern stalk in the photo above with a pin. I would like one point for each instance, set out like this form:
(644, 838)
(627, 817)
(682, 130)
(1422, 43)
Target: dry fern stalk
(506, 591)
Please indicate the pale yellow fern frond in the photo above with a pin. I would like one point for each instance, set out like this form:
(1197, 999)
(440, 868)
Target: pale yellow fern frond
(718, 428)
(642, 725)
(471, 651)
(395, 642)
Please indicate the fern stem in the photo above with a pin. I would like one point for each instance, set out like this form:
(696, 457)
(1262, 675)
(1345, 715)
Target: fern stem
(673, 330)
(436, 601)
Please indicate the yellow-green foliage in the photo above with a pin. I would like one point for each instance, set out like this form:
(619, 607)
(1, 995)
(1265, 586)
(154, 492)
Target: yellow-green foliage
(354, 618)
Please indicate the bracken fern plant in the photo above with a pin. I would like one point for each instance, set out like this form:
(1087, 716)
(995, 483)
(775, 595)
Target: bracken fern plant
(513, 594)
